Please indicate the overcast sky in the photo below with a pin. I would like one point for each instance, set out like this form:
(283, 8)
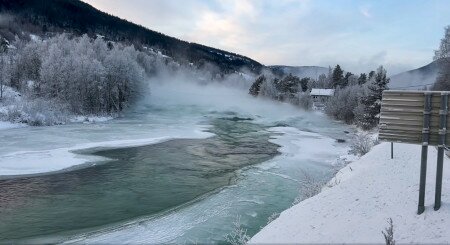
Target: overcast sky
(359, 35)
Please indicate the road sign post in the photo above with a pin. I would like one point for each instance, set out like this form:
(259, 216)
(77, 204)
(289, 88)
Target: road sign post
(440, 159)
(423, 161)
(392, 150)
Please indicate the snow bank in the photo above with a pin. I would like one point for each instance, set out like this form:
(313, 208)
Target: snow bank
(34, 162)
(370, 191)
(90, 119)
(9, 125)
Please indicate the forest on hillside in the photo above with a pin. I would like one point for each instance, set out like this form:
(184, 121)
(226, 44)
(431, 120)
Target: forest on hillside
(44, 18)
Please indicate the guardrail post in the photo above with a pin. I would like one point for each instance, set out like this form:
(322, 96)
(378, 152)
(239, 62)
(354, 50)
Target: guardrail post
(425, 140)
(440, 159)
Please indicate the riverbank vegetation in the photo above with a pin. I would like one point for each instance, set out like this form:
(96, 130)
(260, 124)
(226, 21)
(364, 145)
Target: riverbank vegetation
(72, 75)
(356, 100)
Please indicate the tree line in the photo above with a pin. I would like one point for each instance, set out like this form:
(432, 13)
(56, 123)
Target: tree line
(87, 75)
(45, 17)
(357, 99)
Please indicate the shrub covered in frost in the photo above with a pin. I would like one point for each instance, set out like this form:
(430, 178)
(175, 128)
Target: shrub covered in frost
(38, 112)
(361, 144)
(342, 105)
(309, 187)
(239, 234)
(303, 100)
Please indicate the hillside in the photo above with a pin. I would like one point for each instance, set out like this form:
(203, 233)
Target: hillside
(45, 17)
(417, 78)
(300, 71)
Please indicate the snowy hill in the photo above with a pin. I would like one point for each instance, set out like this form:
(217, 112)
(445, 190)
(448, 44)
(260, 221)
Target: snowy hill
(47, 17)
(299, 71)
(417, 78)
(369, 191)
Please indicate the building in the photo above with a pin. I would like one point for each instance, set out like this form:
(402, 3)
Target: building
(320, 96)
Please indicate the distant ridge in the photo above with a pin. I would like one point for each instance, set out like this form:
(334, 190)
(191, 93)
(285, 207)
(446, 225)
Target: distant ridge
(49, 16)
(300, 71)
(416, 79)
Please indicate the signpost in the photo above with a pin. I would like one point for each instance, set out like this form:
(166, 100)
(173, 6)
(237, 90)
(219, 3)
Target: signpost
(417, 117)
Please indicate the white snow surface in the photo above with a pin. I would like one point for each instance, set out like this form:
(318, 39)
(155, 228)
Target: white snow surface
(370, 190)
(323, 92)
(9, 125)
(91, 119)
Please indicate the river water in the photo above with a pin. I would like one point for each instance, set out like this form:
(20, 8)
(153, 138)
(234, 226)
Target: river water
(217, 162)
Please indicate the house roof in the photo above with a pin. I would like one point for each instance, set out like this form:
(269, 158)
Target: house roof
(322, 92)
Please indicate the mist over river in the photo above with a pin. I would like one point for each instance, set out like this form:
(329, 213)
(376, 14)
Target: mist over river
(179, 167)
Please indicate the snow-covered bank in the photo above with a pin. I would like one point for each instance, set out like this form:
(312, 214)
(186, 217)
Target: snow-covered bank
(35, 162)
(370, 191)
(9, 125)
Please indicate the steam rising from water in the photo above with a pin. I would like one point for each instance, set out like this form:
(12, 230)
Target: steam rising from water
(217, 96)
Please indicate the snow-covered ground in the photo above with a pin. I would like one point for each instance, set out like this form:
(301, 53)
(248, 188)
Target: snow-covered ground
(9, 125)
(370, 190)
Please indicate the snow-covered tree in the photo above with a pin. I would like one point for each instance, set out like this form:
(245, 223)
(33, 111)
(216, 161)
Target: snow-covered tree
(362, 79)
(87, 75)
(322, 82)
(288, 85)
(123, 74)
(352, 80)
(268, 89)
(5, 73)
(442, 55)
(256, 86)
(372, 101)
(341, 106)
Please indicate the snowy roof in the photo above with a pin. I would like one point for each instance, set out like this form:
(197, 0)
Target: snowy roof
(322, 92)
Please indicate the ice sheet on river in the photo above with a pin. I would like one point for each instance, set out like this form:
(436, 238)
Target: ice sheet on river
(26, 162)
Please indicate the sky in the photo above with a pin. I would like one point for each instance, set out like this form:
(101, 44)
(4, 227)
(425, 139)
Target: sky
(359, 35)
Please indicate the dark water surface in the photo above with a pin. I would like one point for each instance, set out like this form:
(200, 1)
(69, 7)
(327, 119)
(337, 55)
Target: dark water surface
(138, 181)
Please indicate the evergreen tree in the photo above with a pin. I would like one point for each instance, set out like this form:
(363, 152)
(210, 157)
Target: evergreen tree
(337, 76)
(362, 79)
(256, 86)
(304, 83)
(372, 102)
(346, 79)
(371, 74)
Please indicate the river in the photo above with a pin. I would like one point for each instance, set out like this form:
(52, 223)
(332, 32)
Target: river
(216, 158)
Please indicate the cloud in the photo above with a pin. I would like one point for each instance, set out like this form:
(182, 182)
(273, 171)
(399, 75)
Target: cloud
(299, 32)
(365, 11)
